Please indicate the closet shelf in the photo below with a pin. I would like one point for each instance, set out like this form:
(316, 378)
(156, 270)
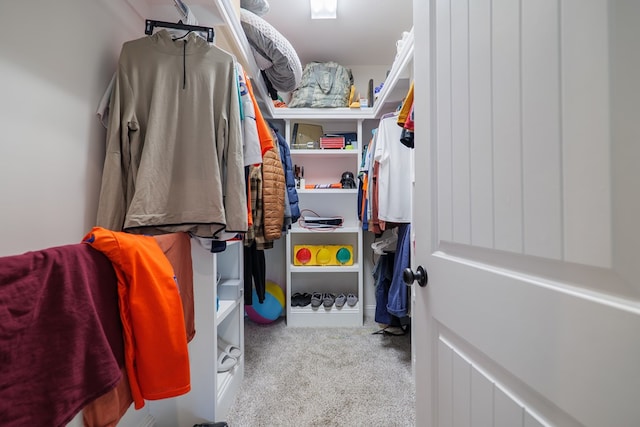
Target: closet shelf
(323, 152)
(322, 113)
(332, 191)
(333, 317)
(393, 92)
(226, 308)
(322, 311)
(397, 83)
(296, 228)
(225, 379)
(355, 268)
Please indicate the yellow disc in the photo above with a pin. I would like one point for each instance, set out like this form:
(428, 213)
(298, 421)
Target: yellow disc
(323, 256)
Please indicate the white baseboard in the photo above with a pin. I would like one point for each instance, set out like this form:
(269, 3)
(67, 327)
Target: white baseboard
(148, 421)
(369, 312)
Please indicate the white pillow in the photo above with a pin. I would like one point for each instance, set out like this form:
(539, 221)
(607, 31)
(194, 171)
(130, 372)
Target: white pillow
(272, 47)
(259, 7)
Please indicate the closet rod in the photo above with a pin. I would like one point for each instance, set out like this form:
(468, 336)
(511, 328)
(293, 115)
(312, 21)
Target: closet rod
(150, 24)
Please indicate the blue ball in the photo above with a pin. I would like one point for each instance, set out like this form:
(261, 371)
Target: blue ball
(267, 312)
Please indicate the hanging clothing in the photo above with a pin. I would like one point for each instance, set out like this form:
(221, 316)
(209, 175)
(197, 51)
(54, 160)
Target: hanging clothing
(273, 190)
(254, 241)
(383, 276)
(108, 409)
(155, 343)
(255, 274)
(405, 109)
(60, 334)
(394, 178)
(177, 248)
(250, 138)
(398, 303)
(405, 119)
(174, 158)
(290, 181)
(273, 181)
(264, 134)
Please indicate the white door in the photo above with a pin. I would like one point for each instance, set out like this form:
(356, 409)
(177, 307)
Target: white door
(526, 212)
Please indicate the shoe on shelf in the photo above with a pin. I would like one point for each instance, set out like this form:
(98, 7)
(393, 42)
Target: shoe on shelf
(232, 350)
(352, 300)
(295, 299)
(316, 299)
(305, 300)
(328, 300)
(226, 362)
(341, 300)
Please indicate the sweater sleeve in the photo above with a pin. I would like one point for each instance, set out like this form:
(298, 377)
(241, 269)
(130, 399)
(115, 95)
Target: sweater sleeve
(115, 173)
(235, 199)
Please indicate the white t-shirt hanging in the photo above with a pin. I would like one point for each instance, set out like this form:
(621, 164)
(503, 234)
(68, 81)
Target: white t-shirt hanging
(394, 178)
(251, 141)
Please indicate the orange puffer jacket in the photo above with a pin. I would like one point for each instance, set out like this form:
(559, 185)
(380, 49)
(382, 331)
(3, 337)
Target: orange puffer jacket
(273, 188)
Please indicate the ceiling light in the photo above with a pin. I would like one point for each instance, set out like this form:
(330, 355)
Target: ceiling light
(323, 9)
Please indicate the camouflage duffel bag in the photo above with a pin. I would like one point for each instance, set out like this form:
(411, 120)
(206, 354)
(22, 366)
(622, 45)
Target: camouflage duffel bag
(323, 85)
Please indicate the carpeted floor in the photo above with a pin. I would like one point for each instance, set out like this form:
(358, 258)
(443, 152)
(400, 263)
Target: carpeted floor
(324, 377)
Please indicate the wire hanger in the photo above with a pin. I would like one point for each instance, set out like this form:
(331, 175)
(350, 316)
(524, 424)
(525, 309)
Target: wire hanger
(150, 24)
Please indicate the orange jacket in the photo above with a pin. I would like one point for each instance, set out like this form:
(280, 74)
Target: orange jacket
(155, 343)
(264, 132)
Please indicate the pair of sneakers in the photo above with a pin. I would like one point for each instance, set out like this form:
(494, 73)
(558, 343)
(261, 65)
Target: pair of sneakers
(328, 300)
(318, 299)
(350, 299)
(300, 299)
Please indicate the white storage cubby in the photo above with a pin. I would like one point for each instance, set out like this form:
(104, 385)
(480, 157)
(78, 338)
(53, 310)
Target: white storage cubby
(326, 166)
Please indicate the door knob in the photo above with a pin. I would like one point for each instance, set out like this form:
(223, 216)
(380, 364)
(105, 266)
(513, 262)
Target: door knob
(420, 276)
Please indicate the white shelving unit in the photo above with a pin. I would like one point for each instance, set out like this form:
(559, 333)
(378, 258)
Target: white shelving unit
(230, 322)
(325, 166)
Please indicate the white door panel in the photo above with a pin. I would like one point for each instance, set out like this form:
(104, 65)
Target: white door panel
(481, 155)
(550, 339)
(506, 123)
(587, 149)
(524, 215)
(540, 132)
(460, 139)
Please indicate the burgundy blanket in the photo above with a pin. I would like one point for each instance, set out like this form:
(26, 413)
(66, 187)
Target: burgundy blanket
(60, 334)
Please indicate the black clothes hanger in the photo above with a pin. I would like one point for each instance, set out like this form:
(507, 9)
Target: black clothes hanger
(150, 24)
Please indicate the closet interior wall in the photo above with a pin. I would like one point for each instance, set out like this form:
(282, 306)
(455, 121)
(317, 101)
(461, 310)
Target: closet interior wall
(56, 59)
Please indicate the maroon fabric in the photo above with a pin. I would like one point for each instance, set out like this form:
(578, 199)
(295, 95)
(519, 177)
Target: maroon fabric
(60, 334)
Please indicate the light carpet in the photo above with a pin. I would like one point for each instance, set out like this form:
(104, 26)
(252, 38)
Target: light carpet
(324, 377)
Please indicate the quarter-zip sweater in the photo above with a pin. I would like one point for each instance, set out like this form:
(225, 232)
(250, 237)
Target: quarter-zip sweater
(174, 159)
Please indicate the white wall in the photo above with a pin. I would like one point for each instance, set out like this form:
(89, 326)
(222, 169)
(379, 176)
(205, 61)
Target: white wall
(56, 59)
(362, 74)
